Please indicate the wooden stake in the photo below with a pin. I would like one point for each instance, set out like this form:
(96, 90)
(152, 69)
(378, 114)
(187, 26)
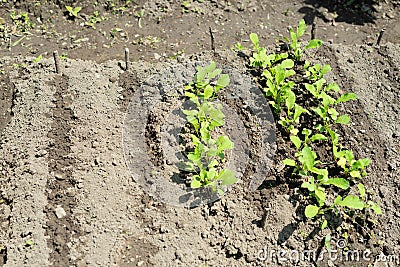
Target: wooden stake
(57, 62)
(212, 40)
(378, 42)
(313, 31)
(127, 63)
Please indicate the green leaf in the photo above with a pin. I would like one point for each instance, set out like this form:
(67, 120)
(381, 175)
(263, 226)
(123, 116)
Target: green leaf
(311, 88)
(293, 36)
(320, 195)
(223, 143)
(39, 58)
(220, 192)
(361, 163)
(311, 211)
(190, 94)
(211, 174)
(355, 174)
(361, 189)
(338, 182)
(332, 86)
(322, 173)
(191, 113)
(279, 75)
(375, 207)
(344, 119)
(338, 199)
(208, 91)
(227, 177)
(210, 68)
(317, 137)
(298, 110)
(308, 157)
(342, 162)
(290, 99)
(301, 28)
(352, 202)
(214, 73)
(254, 39)
(289, 162)
(195, 182)
(346, 97)
(296, 141)
(328, 242)
(325, 69)
(309, 185)
(326, 99)
(314, 43)
(287, 64)
(222, 82)
(213, 163)
(324, 224)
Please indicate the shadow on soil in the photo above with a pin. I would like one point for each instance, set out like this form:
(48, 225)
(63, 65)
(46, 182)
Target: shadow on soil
(349, 11)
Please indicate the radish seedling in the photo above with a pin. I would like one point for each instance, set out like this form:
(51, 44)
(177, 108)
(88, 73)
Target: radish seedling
(208, 153)
(326, 183)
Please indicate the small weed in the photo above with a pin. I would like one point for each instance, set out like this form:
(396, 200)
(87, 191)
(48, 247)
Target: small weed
(94, 19)
(29, 243)
(192, 7)
(147, 41)
(117, 6)
(63, 57)
(22, 21)
(38, 58)
(139, 16)
(73, 11)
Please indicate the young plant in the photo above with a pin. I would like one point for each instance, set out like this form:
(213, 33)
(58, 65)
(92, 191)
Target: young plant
(327, 185)
(296, 50)
(22, 21)
(208, 152)
(260, 57)
(73, 11)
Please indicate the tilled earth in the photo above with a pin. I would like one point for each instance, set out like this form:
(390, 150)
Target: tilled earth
(67, 197)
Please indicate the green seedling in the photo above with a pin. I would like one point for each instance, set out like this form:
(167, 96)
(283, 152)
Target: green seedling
(260, 57)
(29, 243)
(316, 72)
(346, 160)
(186, 7)
(208, 152)
(296, 51)
(278, 87)
(325, 194)
(38, 58)
(22, 21)
(94, 19)
(139, 15)
(238, 47)
(73, 11)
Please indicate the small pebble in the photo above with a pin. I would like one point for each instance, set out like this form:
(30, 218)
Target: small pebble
(60, 212)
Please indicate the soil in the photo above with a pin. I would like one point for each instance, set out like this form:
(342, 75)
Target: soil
(67, 194)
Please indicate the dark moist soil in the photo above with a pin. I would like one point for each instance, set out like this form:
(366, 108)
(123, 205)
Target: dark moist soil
(169, 31)
(61, 166)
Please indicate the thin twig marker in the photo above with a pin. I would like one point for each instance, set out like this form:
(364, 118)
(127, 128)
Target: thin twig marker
(212, 40)
(57, 62)
(127, 62)
(313, 30)
(378, 42)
